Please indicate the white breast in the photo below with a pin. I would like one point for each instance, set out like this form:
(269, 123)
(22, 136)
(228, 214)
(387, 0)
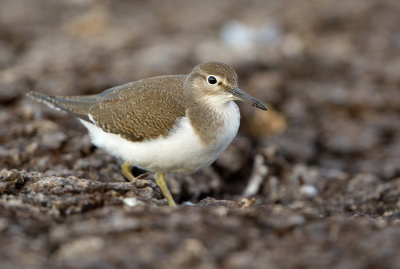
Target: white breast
(181, 151)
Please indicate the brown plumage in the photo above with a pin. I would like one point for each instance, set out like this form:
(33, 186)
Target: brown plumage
(148, 108)
(139, 110)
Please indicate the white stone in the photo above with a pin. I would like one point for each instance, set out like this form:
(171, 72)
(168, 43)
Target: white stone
(308, 190)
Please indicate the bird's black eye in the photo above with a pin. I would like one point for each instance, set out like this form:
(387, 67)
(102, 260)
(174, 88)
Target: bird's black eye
(211, 80)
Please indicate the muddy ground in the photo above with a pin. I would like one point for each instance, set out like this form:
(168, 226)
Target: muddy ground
(312, 183)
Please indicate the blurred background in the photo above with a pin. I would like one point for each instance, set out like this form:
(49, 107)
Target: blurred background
(329, 73)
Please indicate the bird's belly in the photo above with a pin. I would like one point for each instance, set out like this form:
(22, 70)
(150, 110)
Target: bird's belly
(181, 151)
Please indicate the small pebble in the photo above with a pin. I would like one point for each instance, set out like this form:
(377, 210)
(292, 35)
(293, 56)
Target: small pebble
(308, 190)
(131, 201)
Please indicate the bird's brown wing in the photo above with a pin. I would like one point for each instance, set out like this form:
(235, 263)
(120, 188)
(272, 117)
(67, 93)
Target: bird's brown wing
(137, 111)
(141, 110)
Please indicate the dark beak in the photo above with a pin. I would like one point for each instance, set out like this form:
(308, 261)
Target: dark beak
(242, 96)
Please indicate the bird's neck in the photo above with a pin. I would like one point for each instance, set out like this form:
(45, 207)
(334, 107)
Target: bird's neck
(208, 118)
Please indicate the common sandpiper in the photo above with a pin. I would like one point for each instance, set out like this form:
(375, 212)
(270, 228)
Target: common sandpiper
(164, 124)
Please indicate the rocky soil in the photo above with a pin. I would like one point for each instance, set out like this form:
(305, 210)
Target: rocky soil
(312, 183)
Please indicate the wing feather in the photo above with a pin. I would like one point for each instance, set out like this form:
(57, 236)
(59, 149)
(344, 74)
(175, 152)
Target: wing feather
(138, 111)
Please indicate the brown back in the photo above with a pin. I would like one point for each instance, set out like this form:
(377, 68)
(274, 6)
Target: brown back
(143, 110)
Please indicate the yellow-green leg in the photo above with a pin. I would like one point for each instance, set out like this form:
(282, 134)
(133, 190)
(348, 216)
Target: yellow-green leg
(127, 172)
(160, 180)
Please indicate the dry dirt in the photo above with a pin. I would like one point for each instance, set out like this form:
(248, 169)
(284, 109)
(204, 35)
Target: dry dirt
(312, 183)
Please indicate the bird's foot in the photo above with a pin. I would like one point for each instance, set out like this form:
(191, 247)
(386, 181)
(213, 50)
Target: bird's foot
(127, 172)
(160, 180)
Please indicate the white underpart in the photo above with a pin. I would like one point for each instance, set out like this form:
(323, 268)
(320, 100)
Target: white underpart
(181, 151)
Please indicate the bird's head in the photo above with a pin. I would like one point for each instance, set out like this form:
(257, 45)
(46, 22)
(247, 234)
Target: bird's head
(217, 83)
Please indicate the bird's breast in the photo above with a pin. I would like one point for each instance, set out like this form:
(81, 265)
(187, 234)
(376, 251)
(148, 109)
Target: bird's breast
(183, 150)
(214, 124)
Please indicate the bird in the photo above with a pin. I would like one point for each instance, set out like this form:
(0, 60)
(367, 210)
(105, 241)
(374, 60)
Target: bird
(162, 124)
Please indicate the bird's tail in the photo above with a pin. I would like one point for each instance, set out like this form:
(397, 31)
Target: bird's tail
(79, 105)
